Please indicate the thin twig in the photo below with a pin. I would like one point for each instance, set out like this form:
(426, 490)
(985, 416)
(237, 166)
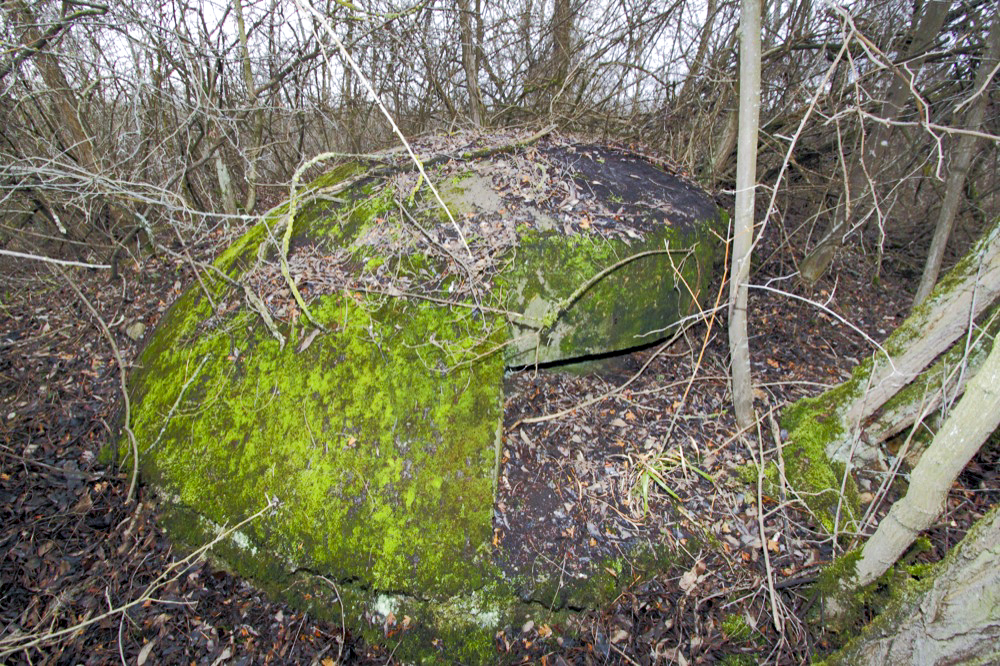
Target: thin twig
(127, 427)
(607, 394)
(324, 21)
(12, 644)
(177, 402)
(566, 303)
(340, 648)
(710, 323)
(776, 614)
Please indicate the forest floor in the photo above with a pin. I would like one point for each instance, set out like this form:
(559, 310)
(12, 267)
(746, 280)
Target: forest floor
(583, 482)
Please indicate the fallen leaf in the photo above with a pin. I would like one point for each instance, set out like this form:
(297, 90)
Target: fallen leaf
(223, 656)
(308, 340)
(692, 577)
(688, 580)
(144, 652)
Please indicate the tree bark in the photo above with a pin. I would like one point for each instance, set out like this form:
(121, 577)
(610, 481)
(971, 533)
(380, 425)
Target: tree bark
(722, 154)
(972, 421)
(746, 182)
(850, 413)
(562, 31)
(256, 116)
(470, 59)
(950, 617)
(76, 138)
(955, 187)
(941, 384)
(691, 81)
(973, 286)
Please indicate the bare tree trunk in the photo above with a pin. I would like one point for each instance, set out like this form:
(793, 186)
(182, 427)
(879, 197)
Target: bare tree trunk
(972, 287)
(562, 31)
(746, 183)
(972, 421)
(722, 152)
(938, 386)
(691, 80)
(76, 138)
(949, 618)
(722, 155)
(225, 184)
(257, 117)
(470, 59)
(955, 186)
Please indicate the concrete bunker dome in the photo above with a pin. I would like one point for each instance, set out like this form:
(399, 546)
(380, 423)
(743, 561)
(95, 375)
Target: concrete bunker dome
(377, 424)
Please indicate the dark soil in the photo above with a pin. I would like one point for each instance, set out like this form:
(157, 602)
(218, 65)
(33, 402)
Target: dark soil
(74, 550)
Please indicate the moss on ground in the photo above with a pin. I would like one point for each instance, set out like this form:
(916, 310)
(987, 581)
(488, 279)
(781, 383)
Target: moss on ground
(736, 629)
(605, 583)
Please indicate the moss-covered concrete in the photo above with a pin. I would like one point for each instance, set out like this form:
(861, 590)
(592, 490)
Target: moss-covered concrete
(363, 437)
(620, 310)
(377, 437)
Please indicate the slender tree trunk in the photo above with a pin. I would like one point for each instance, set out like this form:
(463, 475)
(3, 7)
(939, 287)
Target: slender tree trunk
(75, 136)
(562, 31)
(225, 184)
(959, 168)
(847, 411)
(256, 116)
(939, 385)
(723, 153)
(746, 182)
(972, 421)
(470, 59)
(691, 80)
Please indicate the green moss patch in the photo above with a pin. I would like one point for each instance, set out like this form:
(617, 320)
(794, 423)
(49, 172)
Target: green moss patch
(624, 309)
(381, 457)
(811, 424)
